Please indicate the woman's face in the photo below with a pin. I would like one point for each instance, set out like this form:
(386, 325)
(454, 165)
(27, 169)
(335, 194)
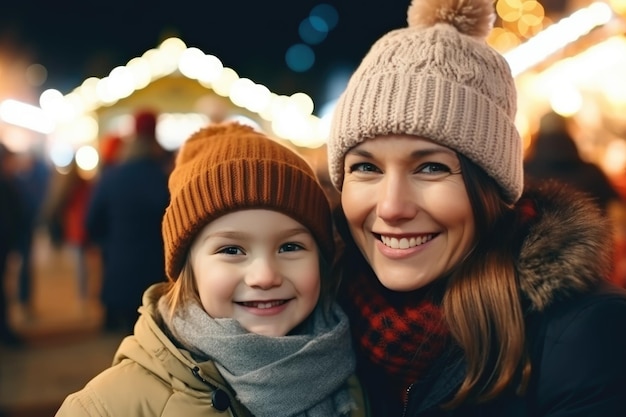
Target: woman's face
(407, 208)
(259, 267)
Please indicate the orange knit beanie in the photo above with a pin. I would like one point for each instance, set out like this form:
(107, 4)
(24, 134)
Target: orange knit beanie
(228, 167)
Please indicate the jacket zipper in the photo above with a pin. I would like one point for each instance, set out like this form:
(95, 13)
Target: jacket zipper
(406, 400)
(196, 373)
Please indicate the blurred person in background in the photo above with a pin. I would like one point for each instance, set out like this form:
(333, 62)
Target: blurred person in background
(124, 218)
(11, 219)
(111, 146)
(66, 207)
(554, 155)
(33, 179)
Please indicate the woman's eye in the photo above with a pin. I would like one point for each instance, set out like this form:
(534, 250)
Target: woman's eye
(290, 247)
(231, 250)
(434, 168)
(363, 167)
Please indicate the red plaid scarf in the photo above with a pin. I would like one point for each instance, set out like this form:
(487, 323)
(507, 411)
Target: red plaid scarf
(397, 335)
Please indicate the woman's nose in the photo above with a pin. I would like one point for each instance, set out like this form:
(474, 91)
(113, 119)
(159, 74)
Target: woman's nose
(395, 200)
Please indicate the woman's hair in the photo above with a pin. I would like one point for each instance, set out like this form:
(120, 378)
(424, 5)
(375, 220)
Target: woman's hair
(180, 292)
(482, 303)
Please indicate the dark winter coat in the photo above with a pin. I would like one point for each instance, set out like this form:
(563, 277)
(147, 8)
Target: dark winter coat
(575, 323)
(11, 215)
(124, 218)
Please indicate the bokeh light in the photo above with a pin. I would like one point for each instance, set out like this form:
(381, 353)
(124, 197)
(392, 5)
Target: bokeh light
(300, 57)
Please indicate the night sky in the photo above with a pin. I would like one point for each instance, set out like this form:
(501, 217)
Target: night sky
(76, 39)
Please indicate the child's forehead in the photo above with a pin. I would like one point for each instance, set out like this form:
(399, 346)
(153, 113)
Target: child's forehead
(253, 219)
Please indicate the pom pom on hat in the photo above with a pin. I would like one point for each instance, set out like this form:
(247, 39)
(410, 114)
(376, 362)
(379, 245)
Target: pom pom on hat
(473, 18)
(438, 79)
(228, 167)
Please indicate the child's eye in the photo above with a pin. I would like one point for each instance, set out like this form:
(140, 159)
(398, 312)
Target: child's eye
(364, 167)
(231, 250)
(290, 247)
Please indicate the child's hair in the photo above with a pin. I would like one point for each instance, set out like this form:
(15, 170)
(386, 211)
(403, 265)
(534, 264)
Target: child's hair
(229, 167)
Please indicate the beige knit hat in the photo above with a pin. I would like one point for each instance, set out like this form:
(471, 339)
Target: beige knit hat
(439, 79)
(230, 167)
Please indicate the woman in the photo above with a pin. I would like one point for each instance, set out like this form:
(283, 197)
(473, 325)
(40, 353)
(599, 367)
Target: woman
(469, 294)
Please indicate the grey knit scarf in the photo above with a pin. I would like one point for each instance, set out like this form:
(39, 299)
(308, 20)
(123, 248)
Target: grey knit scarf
(303, 374)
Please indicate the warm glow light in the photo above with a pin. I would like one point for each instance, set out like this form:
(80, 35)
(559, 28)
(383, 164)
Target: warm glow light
(140, 71)
(260, 98)
(614, 161)
(566, 100)
(240, 91)
(87, 158)
(25, 115)
(619, 6)
(293, 113)
(224, 82)
(122, 82)
(211, 68)
(557, 36)
(509, 10)
(174, 128)
(190, 64)
(79, 131)
(50, 100)
(598, 69)
(303, 102)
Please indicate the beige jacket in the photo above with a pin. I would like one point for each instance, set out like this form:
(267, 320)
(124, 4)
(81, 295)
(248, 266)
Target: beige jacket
(152, 377)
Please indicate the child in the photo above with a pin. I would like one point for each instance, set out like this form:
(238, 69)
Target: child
(245, 322)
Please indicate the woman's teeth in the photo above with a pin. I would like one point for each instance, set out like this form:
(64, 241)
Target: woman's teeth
(405, 243)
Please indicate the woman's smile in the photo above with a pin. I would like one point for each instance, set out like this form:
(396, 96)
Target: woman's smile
(407, 209)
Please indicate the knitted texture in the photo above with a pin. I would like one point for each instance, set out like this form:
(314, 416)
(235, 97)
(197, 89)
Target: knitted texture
(400, 335)
(437, 79)
(229, 167)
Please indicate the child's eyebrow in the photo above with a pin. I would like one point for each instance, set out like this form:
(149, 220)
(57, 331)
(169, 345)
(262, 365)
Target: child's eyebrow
(236, 234)
(296, 231)
(230, 234)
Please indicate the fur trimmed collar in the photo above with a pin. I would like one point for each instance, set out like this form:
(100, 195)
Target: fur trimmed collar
(568, 247)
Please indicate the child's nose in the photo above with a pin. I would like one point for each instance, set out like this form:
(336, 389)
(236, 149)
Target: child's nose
(263, 273)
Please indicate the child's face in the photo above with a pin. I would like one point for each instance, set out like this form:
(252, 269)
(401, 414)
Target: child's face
(259, 267)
